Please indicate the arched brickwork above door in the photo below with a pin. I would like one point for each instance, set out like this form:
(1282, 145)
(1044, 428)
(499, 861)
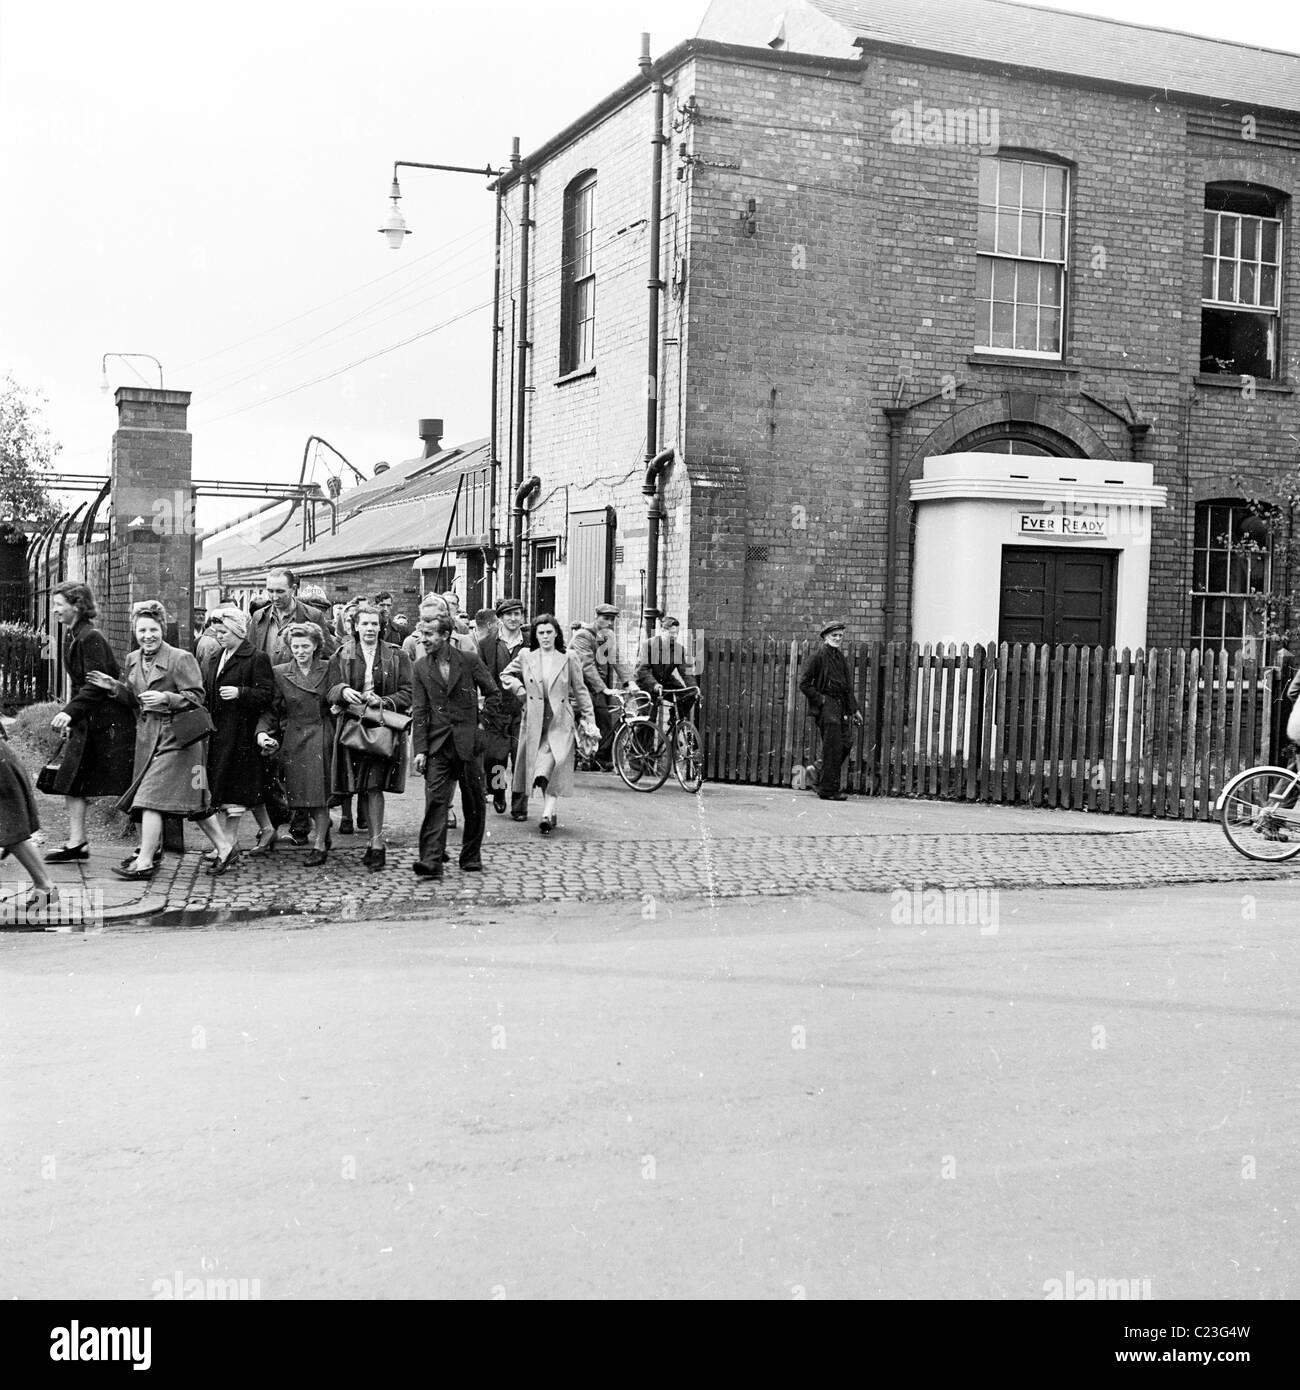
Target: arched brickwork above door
(1018, 414)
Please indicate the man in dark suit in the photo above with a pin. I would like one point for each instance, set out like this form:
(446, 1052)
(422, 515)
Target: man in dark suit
(447, 744)
(500, 725)
(828, 687)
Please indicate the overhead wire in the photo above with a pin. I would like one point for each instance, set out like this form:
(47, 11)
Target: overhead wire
(538, 280)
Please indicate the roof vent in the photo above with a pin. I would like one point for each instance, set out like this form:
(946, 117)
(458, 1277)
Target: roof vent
(380, 468)
(431, 433)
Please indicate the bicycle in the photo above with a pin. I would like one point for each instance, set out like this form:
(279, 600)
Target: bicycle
(1259, 815)
(645, 752)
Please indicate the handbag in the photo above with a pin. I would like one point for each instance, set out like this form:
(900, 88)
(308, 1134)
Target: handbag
(45, 778)
(373, 732)
(190, 725)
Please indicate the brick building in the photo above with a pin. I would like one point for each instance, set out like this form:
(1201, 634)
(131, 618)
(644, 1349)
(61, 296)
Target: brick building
(1055, 248)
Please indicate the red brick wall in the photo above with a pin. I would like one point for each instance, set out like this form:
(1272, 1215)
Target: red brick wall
(856, 288)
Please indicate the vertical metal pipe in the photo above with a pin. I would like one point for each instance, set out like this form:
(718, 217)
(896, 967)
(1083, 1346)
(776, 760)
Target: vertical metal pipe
(494, 463)
(655, 285)
(521, 385)
(895, 414)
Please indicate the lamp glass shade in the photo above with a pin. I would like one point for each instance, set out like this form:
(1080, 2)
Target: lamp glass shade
(395, 227)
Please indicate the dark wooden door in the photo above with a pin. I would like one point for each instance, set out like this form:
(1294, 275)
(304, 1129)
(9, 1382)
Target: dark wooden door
(1057, 595)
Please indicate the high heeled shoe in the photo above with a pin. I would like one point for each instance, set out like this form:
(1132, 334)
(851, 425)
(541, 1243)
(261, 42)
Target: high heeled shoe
(66, 853)
(219, 866)
(316, 857)
(545, 824)
(263, 846)
(38, 898)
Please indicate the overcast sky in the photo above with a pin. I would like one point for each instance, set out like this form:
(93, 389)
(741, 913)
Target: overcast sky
(204, 182)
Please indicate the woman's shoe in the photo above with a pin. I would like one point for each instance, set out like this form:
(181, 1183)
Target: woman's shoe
(378, 858)
(346, 827)
(131, 874)
(368, 855)
(266, 841)
(66, 853)
(38, 898)
(316, 857)
(131, 858)
(219, 866)
(544, 825)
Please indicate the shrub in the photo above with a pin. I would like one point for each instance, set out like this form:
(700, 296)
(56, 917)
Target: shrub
(23, 673)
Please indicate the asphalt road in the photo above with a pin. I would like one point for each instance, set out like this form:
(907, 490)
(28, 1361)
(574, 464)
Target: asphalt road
(760, 1099)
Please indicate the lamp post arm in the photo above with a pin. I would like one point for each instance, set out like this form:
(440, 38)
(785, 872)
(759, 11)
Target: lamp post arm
(487, 171)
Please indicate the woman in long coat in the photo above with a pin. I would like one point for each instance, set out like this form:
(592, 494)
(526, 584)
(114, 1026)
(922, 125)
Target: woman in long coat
(165, 685)
(374, 673)
(100, 749)
(18, 823)
(548, 681)
(238, 686)
(298, 724)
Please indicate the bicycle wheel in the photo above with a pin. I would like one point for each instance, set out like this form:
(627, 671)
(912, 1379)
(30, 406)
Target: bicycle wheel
(642, 757)
(688, 757)
(1259, 815)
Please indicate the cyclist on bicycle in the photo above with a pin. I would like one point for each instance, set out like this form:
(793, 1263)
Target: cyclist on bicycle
(664, 664)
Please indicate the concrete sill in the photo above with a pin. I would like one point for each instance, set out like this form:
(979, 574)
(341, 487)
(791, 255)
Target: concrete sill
(1031, 364)
(580, 375)
(1226, 381)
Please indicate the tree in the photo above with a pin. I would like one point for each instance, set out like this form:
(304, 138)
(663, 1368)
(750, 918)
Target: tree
(26, 453)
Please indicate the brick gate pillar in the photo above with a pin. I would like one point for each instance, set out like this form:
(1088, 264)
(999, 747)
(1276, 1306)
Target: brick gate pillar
(152, 523)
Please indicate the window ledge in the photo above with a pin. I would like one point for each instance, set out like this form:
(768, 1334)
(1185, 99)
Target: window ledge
(1033, 364)
(581, 374)
(1226, 381)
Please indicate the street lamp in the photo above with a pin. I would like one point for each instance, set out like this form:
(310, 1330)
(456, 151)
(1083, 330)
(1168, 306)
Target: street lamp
(395, 231)
(395, 228)
(103, 367)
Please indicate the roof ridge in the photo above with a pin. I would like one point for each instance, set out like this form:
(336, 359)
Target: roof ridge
(823, 5)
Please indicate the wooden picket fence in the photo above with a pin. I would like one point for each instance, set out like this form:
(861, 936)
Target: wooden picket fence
(1148, 733)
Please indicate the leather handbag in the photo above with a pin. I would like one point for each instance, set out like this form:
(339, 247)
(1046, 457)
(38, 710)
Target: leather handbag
(45, 778)
(373, 732)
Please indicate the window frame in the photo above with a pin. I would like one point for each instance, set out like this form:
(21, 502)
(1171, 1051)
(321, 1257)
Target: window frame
(1216, 205)
(985, 309)
(578, 275)
(1249, 602)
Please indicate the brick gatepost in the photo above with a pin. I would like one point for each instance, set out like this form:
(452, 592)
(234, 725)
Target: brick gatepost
(152, 523)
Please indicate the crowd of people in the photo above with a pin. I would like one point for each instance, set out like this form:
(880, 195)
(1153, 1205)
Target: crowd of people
(292, 708)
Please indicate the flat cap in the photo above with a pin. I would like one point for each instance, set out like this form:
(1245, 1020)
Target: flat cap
(606, 610)
(835, 625)
(508, 605)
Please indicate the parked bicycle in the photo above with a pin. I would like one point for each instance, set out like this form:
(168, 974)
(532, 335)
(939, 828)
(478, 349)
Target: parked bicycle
(1259, 813)
(652, 742)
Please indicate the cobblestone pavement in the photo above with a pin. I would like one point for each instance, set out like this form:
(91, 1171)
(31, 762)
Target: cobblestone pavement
(618, 846)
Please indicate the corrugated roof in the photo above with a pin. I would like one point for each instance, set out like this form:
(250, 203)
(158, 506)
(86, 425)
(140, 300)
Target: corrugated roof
(408, 518)
(1109, 50)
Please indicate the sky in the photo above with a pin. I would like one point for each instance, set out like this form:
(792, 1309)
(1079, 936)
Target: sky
(204, 183)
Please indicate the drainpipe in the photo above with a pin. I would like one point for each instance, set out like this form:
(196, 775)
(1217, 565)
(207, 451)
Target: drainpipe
(895, 414)
(521, 384)
(653, 487)
(494, 467)
(530, 488)
(656, 463)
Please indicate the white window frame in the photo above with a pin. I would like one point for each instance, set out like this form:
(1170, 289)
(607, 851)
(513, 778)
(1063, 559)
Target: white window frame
(985, 309)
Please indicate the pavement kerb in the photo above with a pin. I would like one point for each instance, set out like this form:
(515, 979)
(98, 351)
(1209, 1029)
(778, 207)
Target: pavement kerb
(730, 842)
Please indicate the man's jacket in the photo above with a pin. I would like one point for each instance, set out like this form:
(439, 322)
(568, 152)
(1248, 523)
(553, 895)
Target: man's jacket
(818, 675)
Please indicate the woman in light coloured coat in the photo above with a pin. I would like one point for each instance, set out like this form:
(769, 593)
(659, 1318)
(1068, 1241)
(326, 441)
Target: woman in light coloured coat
(164, 684)
(548, 682)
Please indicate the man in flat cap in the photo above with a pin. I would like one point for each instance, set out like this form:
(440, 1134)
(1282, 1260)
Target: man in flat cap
(597, 649)
(828, 688)
(501, 725)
